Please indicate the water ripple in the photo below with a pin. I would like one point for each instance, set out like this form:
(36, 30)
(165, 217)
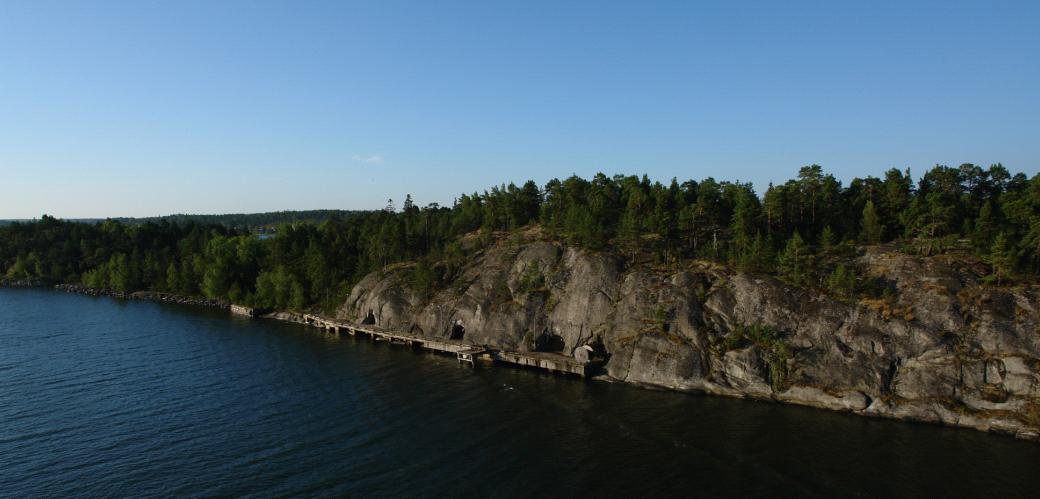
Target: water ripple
(106, 398)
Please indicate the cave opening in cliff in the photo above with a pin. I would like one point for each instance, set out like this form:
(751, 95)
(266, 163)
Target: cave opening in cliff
(458, 331)
(370, 319)
(548, 342)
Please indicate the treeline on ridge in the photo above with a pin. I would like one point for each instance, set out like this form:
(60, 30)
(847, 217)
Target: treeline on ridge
(804, 230)
(244, 221)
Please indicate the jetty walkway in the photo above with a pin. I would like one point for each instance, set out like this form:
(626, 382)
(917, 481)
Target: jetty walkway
(464, 351)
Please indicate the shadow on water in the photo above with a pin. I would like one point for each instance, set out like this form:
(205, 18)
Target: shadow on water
(106, 397)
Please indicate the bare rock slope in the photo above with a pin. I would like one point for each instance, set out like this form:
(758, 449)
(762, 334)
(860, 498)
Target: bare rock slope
(940, 347)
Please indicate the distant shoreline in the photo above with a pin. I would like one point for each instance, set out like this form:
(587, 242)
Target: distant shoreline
(134, 295)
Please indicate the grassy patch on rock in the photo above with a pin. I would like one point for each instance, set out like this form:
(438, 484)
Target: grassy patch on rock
(770, 341)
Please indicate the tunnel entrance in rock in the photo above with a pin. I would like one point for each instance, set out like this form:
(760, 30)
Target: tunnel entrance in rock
(370, 319)
(457, 331)
(548, 342)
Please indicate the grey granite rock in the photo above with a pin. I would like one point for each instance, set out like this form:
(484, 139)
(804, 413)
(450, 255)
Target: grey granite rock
(945, 348)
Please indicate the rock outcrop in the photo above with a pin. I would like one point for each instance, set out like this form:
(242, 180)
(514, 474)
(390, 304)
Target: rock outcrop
(32, 282)
(939, 346)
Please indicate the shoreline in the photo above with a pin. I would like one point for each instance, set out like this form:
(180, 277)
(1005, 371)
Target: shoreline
(157, 296)
(1011, 430)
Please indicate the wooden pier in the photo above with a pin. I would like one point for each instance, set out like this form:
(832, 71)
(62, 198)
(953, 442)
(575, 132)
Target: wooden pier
(470, 354)
(463, 351)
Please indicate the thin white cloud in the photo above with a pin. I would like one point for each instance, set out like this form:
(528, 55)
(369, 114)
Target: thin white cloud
(371, 159)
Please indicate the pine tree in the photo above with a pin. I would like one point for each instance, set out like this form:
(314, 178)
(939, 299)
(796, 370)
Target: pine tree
(985, 227)
(629, 232)
(742, 227)
(1002, 257)
(828, 241)
(871, 228)
(424, 280)
(757, 256)
(773, 209)
(795, 261)
(898, 191)
(528, 200)
(842, 282)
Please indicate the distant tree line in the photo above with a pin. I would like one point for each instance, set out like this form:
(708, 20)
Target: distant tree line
(804, 230)
(246, 221)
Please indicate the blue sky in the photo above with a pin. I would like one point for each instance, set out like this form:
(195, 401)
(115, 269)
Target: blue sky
(144, 108)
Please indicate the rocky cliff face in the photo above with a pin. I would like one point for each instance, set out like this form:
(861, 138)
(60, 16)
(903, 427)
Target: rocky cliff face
(938, 347)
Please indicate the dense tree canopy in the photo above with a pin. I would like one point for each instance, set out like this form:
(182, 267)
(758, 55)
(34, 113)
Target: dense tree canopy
(798, 229)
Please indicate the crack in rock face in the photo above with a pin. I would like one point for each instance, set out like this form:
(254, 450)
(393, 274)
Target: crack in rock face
(944, 349)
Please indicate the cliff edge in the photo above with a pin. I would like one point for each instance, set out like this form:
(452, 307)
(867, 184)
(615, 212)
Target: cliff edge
(937, 345)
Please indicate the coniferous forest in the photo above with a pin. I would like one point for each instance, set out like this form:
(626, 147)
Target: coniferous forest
(806, 231)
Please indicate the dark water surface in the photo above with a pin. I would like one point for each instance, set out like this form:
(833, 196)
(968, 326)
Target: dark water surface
(100, 397)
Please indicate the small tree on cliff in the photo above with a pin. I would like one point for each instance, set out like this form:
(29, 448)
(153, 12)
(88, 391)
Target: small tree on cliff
(872, 228)
(756, 256)
(795, 261)
(985, 226)
(1002, 257)
(842, 282)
